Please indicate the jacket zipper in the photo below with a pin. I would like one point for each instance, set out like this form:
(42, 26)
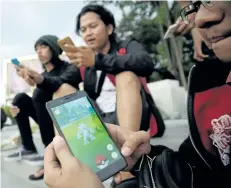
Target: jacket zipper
(190, 120)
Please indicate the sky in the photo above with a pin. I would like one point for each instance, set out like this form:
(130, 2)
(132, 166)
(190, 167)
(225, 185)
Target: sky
(22, 22)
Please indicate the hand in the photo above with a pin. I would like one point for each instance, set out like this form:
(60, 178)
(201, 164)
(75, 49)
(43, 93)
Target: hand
(198, 40)
(62, 169)
(35, 76)
(132, 144)
(21, 72)
(80, 56)
(183, 27)
(31, 77)
(14, 110)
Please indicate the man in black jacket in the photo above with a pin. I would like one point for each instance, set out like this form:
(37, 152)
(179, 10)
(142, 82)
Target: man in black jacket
(101, 62)
(110, 70)
(203, 160)
(56, 73)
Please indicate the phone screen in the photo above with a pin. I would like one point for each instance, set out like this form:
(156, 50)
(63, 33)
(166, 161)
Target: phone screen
(85, 134)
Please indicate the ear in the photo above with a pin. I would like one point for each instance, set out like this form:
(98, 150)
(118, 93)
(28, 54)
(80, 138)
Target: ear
(110, 29)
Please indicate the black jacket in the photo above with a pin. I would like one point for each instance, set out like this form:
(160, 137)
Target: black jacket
(136, 60)
(192, 165)
(62, 73)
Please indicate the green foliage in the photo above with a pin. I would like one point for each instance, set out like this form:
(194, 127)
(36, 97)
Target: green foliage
(6, 109)
(143, 19)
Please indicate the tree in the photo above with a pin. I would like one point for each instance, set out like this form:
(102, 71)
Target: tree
(147, 21)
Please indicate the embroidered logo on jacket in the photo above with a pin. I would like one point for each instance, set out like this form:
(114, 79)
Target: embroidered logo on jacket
(222, 137)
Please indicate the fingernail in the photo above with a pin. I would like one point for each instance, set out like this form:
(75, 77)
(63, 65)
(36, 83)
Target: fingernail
(57, 140)
(117, 179)
(126, 151)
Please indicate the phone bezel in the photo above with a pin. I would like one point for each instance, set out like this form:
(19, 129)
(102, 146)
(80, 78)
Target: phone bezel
(111, 169)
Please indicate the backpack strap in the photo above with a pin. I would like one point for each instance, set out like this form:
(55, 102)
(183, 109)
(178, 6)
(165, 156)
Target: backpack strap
(82, 69)
(156, 124)
(229, 78)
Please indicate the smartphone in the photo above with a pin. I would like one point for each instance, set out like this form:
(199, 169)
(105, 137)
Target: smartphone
(16, 62)
(66, 40)
(79, 123)
(170, 31)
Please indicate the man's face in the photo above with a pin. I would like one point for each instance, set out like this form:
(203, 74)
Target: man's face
(93, 30)
(44, 53)
(214, 24)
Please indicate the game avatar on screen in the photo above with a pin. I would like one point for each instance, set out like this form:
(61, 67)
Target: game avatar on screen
(85, 134)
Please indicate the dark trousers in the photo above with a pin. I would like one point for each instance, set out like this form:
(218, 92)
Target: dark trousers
(38, 112)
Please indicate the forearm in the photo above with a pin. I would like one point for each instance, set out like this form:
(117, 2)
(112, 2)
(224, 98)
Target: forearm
(140, 64)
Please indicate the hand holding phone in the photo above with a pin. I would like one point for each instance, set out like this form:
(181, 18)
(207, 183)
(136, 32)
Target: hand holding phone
(71, 172)
(64, 41)
(15, 61)
(80, 125)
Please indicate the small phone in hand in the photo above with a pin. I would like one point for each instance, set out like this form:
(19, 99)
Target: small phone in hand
(66, 40)
(16, 62)
(79, 123)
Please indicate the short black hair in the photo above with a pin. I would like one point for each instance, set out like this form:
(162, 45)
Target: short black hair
(105, 15)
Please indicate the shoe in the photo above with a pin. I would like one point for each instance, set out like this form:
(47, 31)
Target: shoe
(35, 161)
(38, 175)
(21, 154)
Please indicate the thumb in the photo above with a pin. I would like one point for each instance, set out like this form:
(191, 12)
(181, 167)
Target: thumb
(62, 151)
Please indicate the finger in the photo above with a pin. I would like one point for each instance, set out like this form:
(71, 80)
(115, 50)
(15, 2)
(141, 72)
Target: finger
(181, 28)
(186, 30)
(198, 58)
(134, 141)
(199, 54)
(52, 168)
(179, 21)
(76, 62)
(118, 178)
(81, 48)
(70, 48)
(18, 69)
(30, 81)
(50, 159)
(74, 55)
(62, 152)
(118, 134)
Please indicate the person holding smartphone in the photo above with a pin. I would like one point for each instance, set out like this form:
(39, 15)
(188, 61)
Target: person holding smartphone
(56, 72)
(111, 71)
(204, 160)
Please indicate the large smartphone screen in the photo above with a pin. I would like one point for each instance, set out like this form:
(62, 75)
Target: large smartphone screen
(85, 134)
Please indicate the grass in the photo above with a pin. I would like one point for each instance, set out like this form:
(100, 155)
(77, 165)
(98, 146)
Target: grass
(87, 153)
